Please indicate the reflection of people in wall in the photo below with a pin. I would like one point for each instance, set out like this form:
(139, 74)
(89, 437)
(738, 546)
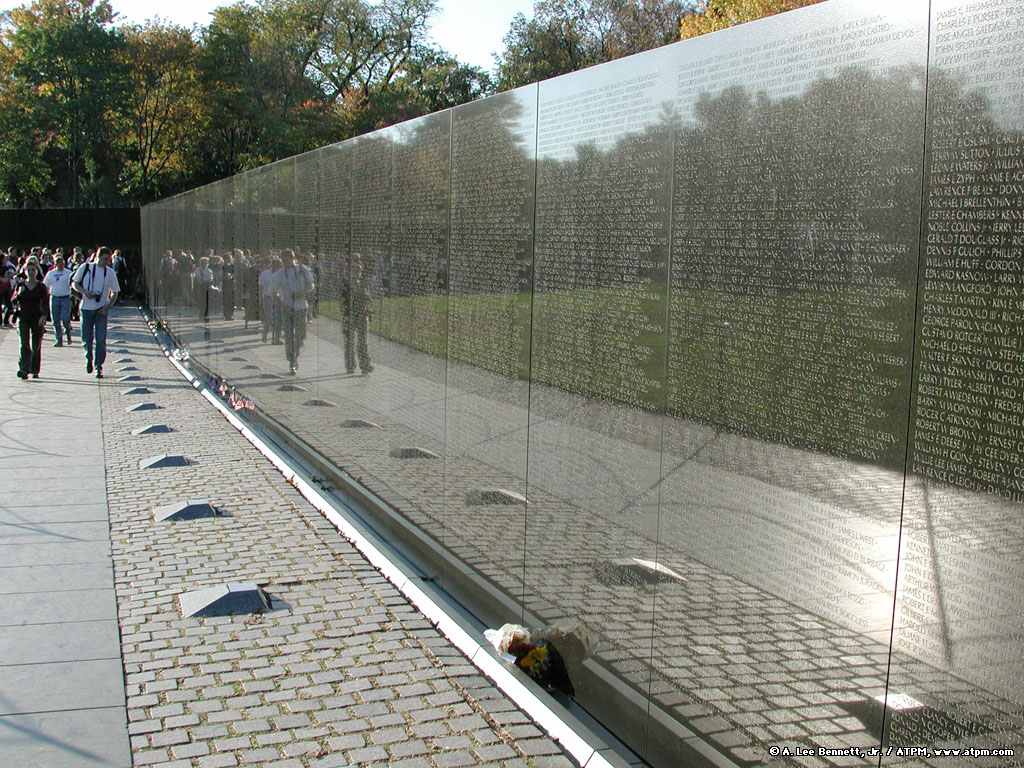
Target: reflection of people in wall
(269, 313)
(355, 302)
(228, 286)
(202, 285)
(294, 287)
(249, 269)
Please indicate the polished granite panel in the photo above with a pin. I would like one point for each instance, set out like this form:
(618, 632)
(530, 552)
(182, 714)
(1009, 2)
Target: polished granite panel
(709, 355)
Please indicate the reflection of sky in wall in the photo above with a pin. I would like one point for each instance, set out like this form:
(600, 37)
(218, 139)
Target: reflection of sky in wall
(778, 56)
(981, 45)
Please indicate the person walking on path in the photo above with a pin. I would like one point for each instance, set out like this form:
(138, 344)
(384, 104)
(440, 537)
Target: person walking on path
(355, 302)
(294, 287)
(6, 288)
(58, 282)
(97, 283)
(30, 301)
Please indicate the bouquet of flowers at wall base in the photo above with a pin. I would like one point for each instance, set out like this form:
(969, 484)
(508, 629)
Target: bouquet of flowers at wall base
(537, 652)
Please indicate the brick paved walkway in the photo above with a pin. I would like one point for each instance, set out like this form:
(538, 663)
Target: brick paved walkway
(342, 670)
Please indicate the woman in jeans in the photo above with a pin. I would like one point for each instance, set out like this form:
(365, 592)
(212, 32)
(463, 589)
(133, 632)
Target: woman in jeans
(30, 298)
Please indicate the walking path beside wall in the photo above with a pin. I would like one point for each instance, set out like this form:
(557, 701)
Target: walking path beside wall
(342, 671)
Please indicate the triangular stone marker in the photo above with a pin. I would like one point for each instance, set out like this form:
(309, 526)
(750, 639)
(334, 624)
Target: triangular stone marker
(132, 377)
(483, 496)
(151, 429)
(250, 367)
(164, 460)
(317, 402)
(908, 722)
(412, 452)
(126, 368)
(238, 360)
(270, 376)
(124, 360)
(291, 388)
(137, 391)
(634, 572)
(359, 424)
(142, 407)
(192, 509)
(224, 600)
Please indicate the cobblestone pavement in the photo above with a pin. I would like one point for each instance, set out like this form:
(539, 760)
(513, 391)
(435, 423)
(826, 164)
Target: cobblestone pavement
(779, 630)
(342, 670)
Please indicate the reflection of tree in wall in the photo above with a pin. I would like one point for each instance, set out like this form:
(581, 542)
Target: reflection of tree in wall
(371, 212)
(335, 217)
(795, 234)
(419, 230)
(600, 269)
(491, 240)
(794, 262)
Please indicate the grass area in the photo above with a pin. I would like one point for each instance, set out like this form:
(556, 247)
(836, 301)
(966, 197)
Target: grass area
(821, 369)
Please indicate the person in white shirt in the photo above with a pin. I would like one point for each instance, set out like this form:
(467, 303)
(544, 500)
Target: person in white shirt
(97, 283)
(294, 286)
(202, 286)
(58, 282)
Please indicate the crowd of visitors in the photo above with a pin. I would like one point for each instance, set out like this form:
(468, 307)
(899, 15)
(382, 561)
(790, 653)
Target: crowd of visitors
(43, 285)
(278, 293)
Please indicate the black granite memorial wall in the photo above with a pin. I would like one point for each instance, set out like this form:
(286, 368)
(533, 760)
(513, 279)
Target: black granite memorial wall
(71, 227)
(708, 360)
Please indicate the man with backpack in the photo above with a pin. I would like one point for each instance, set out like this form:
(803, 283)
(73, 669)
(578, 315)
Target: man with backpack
(97, 282)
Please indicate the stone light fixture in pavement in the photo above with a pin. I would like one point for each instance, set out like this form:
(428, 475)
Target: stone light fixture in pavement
(127, 368)
(151, 429)
(318, 403)
(137, 391)
(163, 461)
(292, 388)
(132, 377)
(412, 452)
(482, 496)
(916, 722)
(142, 407)
(634, 571)
(224, 600)
(359, 424)
(124, 360)
(191, 509)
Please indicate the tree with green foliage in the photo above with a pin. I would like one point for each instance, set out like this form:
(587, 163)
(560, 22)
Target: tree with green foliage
(68, 59)
(566, 35)
(431, 80)
(23, 173)
(253, 63)
(161, 111)
(712, 15)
